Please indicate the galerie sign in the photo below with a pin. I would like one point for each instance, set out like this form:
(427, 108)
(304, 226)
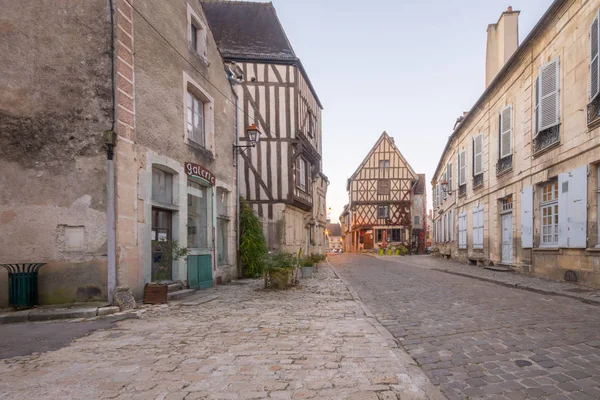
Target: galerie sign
(198, 171)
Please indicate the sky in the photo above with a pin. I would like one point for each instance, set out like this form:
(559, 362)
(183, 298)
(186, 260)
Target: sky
(407, 67)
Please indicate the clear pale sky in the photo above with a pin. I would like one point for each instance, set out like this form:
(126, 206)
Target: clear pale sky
(409, 67)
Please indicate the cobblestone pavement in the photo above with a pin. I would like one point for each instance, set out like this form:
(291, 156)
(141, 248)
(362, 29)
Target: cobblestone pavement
(313, 341)
(514, 279)
(478, 339)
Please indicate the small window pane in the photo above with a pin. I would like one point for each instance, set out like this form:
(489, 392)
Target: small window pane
(197, 216)
(162, 186)
(222, 202)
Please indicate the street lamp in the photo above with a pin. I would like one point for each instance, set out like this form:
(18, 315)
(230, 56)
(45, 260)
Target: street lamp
(253, 138)
(444, 184)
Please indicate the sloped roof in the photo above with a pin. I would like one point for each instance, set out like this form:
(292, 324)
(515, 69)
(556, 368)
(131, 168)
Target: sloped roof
(420, 187)
(245, 30)
(384, 136)
(334, 229)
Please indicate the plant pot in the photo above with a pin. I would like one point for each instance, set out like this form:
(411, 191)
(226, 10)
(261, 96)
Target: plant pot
(389, 252)
(155, 293)
(279, 279)
(307, 272)
(380, 252)
(397, 252)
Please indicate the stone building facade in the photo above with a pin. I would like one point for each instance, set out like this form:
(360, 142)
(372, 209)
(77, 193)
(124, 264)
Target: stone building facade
(151, 73)
(518, 182)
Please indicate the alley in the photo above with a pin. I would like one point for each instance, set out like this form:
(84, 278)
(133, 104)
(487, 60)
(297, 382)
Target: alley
(477, 339)
(311, 341)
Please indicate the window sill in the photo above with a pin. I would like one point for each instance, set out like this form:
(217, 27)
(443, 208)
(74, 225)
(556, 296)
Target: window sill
(172, 207)
(546, 149)
(504, 173)
(551, 250)
(595, 251)
(201, 57)
(201, 149)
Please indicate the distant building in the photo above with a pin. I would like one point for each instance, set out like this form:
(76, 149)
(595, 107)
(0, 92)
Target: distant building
(334, 237)
(386, 201)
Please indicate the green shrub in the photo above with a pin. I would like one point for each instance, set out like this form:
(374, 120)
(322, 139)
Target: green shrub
(317, 258)
(278, 269)
(252, 242)
(307, 262)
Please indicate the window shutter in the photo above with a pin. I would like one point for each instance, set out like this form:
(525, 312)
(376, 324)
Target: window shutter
(462, 230)
(537, 106)
(450, 176)
(478, 227)
(527, 217)
(563, 219)
(462, 165)
(506, 126)
(478, 154)
(446, 179)
(549, 100)
(298, 172)
(594, 50)
(577, 208)
(452, 225)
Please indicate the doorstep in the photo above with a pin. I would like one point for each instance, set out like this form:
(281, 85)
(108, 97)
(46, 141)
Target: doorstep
(57, 312)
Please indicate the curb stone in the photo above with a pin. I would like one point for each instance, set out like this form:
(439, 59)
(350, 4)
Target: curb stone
(431, 391)
(39, 315)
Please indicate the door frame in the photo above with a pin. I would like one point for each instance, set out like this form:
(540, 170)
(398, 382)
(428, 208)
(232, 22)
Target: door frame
(512, 253)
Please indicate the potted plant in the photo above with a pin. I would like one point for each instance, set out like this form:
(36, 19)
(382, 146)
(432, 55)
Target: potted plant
(389, 250)
(170, 251)
(278, 268)
(397, 250)
(381, 251)
(306, 264)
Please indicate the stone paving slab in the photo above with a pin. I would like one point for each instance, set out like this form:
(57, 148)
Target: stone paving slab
(312, 341)
(480, 340)
(509, 279)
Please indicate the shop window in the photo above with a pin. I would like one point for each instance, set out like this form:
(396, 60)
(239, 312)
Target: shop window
(198, 216)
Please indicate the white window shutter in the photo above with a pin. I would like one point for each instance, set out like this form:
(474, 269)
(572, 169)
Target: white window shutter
(450, 176)
(563, 219)
(549, 99)
(478, 154)
(452, 225)
(577, 208)
(446, 179)
(527, 217)
(462, 165)
(462, 230)
(506, 128)
(537, 106)
(594, 57)
(459, 168)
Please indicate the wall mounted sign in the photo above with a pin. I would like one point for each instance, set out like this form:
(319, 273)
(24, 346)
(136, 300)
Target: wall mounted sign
(198, 171)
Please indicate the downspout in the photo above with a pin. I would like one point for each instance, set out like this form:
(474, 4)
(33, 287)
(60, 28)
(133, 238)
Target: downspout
(233, 80)
(109, 140)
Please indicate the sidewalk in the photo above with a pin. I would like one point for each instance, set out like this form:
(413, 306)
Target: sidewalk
(239, 342)
(57, 312)
(509, 279)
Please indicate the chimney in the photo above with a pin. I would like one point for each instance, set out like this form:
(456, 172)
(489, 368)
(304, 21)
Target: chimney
(502, 42)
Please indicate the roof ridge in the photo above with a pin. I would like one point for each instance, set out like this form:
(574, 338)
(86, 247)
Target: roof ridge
(238, 2)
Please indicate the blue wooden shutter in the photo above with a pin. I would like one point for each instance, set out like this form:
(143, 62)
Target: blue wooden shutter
(527, 217)
(577, 208)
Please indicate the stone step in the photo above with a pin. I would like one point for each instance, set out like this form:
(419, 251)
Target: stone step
(180, 294)
(499, 268)
(175, 287)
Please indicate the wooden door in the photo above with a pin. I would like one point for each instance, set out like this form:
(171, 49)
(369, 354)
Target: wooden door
(162, 224)
(368, 240)
(200, 271)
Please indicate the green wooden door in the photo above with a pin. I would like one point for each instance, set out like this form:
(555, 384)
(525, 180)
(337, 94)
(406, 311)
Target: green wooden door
(200, 271)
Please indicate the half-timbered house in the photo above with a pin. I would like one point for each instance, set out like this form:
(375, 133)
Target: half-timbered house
(382, 194)
(281, 176)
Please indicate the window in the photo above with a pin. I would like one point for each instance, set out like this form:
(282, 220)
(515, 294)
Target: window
(383, 187)
(549, 211)
(195, 120)
(594, 57)
(462, 230)
(462, 167)
(196, 34)
(417, 220)
(396, 235)
(384, 164)
(478, 155)
(162, 186)
(505, 131)
(198, 216)
(547, 106)
(222, 226)
(445, 178)
(383, 211)
(478, 227)
(301, 174)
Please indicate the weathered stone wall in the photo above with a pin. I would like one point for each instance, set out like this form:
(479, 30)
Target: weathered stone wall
(55, 103)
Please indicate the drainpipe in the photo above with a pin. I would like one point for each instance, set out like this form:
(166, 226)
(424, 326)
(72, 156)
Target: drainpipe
(233, 80)
(109, 140)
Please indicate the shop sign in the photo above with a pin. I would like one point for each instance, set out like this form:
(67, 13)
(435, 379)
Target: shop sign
(198, 171)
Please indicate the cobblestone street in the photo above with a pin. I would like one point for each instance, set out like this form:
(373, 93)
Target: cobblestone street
(478, 339)
(313, 341)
